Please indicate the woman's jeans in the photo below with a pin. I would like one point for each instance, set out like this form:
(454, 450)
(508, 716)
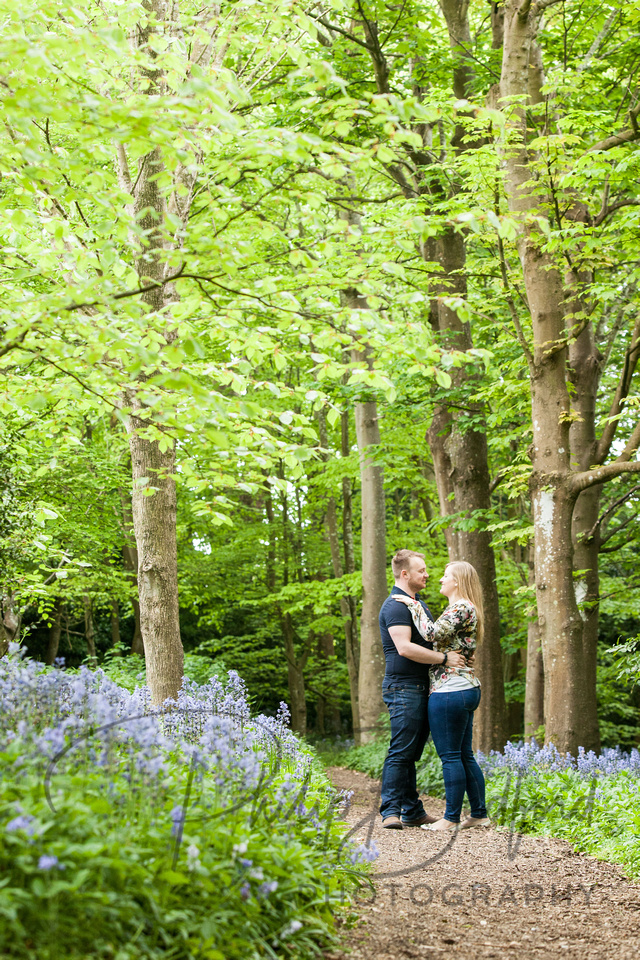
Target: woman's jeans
(451, 722)
(407, 703)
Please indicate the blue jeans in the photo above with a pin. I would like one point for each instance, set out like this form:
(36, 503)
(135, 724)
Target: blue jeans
(407, 702)
(451, 722)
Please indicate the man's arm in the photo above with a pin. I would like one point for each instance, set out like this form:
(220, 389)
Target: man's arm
(401, 636)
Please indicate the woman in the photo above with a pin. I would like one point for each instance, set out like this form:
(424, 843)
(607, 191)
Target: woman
(455, 693)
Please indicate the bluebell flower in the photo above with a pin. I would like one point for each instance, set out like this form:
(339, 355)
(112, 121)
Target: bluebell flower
(267, 888)
(176, 817)
(24, 822)
(363, 854)
(47, 862)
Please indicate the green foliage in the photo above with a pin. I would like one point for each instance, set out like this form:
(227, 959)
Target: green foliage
(298, 163)
(128, 669)
(191, 840)
(618, 686)
(599, 816)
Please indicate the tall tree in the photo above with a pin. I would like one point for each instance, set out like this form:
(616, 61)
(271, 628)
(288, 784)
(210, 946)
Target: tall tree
(558, 331)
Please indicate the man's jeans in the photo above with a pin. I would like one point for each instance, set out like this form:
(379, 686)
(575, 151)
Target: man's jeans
(407, 702)
(451, 721)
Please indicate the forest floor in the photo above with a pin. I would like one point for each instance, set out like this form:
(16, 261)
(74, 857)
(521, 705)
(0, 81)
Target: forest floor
(482, 893)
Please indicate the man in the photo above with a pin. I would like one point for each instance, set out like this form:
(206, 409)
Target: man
(405, 691)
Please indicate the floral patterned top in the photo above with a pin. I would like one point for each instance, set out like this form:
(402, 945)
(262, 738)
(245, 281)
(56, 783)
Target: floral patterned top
(455, 631)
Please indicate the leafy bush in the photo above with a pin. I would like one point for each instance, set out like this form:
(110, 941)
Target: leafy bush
(128, 669)
(618, 689)
(589, 800)
(192, 832)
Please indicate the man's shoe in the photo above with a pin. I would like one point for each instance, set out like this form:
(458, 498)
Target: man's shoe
(392, 823)
(425, 818)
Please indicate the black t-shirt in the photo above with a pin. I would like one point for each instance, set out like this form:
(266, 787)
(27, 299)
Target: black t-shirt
(394, 614)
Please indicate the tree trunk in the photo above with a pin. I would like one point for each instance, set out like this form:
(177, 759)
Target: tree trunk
(89, 632)
(534, 685)
(295, 677)
(347, 603)
(9, 623)
(130, 560)
(461, 465)
(115, 623)
(460, 454)
(295, 665)
(374, 570)
(327, 709)
(514, 713)
(585, 366)
(53, 641)
(552, 493)
(154, 516)
(154, 510)
(353, 639)
(437, 435)
(154, 523)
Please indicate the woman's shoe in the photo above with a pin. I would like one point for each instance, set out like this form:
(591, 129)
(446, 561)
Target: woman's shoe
(471, 822)
(440, 826)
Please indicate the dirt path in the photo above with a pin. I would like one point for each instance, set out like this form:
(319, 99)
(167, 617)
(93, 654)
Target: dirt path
(483, 893)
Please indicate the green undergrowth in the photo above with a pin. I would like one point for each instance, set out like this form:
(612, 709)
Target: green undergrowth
(201, 833)
(598, 815)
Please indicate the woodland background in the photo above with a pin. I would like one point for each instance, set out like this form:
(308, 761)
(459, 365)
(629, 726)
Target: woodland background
(288, 286)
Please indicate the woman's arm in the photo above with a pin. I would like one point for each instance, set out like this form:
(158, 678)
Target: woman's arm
(445, 630)
(401, 636)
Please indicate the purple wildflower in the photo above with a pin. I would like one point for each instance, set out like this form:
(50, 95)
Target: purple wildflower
(176, 817)
(24, 822)
(364, 854)
(267, 888)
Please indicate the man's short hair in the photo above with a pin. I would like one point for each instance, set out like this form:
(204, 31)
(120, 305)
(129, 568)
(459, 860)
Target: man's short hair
(402, 561)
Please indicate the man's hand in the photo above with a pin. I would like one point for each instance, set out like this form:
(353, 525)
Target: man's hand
(456, 660)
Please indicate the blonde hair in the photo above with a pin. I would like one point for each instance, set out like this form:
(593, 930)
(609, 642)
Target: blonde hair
(469, 588)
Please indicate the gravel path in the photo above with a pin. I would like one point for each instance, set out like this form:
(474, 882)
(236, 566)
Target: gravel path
(483, 893)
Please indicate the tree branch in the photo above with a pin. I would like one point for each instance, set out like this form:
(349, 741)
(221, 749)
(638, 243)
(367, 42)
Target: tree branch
(622, 390)
(625, 136)
(631, 446)
(597, 43)
(606, 210)
(125, 293)
(8, 347)
(497, 480)
(589, 478)
(612, 533)
(611, 509)
(345, 33)
(505, 283)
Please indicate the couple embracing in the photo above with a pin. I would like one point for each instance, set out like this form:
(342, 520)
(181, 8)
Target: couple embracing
(430, 685)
